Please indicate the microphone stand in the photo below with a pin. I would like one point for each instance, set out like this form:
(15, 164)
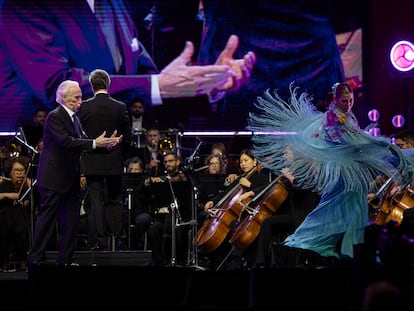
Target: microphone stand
(130, 192)
(192, 259)
(194, 156)
(32, 184)
(26, 145)
(175, 219)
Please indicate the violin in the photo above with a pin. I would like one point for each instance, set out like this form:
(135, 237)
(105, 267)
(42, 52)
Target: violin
(24, 185)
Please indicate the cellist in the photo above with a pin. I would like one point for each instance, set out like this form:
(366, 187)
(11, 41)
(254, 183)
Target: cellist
(251, 179)
(298, 204)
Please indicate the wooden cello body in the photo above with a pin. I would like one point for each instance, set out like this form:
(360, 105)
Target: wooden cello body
(215, 229)
(267, 203)
(391, 208)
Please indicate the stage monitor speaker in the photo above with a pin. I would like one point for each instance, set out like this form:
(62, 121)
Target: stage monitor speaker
(107, 258)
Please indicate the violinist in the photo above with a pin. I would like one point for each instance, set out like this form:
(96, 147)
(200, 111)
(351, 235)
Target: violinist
(251, 181)
(14, 215)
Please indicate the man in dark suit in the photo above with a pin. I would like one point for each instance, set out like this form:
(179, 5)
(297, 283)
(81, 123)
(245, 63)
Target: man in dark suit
(57, 40)
(58, 175)
(151, 154)
(104, 168)
(141, 118)
(141, 121)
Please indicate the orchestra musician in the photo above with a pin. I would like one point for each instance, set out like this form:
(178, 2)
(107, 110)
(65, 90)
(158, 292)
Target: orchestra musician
(133, 183)
(250, 182)
(215, 167)
(151, 154)
(14, 215)
(163, 196)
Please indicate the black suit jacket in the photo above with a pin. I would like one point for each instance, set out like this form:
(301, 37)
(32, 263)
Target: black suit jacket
(148, 121)
(58, 166)
(104, 113)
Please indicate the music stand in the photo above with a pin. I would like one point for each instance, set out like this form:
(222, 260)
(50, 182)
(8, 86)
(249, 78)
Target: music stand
(175, 220)
(130, 185)
(175, 196)
(32, 134)
(211, 184)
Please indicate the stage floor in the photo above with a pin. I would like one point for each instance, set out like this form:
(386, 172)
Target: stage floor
(125, 279)
(173, 288)
(178, 288)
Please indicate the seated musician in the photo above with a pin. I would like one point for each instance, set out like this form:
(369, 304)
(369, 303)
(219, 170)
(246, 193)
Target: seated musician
(173, 185)
(140, 213)
(150, 153)
(392, 225)
(229, 165)
(251, 181)
(210, 183)
(284, 221)
(14, 215)
(297, 204)
(257, 180)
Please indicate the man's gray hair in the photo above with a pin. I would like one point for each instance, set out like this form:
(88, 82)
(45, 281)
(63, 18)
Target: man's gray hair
(64, 89)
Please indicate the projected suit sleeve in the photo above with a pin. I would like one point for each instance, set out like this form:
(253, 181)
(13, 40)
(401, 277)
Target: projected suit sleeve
(47, 41)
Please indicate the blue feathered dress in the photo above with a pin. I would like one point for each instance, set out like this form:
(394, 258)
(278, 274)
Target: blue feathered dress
(328, 153)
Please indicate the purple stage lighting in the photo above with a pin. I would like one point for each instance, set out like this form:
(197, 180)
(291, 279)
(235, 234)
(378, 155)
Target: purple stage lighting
(402, 56)
(398, 121)
(374, 115)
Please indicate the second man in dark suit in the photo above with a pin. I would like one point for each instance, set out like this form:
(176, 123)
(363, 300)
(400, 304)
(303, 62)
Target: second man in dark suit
(103, 169)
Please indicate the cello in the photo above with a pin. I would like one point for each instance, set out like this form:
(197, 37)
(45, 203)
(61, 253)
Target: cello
(215, 229)
(267, 202)
(391, 208)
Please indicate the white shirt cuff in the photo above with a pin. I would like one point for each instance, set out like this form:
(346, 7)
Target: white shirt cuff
(94, 144)
(155, 91)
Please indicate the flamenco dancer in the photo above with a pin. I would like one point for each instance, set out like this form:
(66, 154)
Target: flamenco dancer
(332, 156)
